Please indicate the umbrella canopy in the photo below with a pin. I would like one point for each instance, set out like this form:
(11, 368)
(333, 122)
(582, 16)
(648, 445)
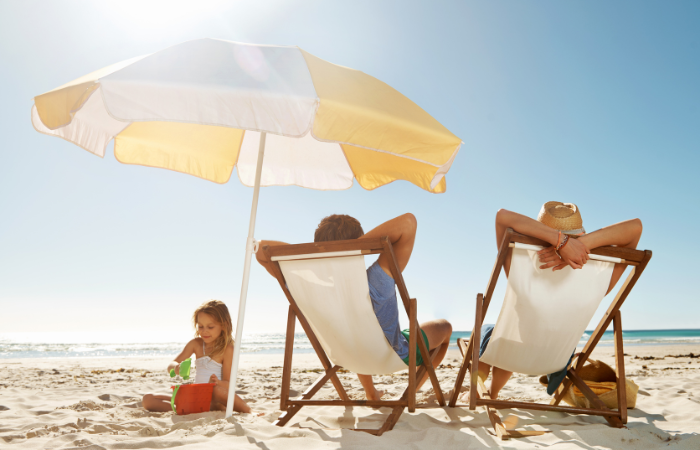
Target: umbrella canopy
(199, 107)
(279, 115)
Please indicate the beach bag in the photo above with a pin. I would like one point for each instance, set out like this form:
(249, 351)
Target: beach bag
(601, 378)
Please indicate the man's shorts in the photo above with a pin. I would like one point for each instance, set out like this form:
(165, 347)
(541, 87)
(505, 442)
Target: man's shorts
(419, 358)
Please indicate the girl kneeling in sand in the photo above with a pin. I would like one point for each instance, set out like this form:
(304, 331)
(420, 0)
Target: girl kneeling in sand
(213, 348)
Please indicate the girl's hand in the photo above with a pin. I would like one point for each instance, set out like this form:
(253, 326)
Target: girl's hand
(174, 366)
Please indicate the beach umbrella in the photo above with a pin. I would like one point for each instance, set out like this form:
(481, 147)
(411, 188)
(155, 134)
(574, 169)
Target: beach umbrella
(278, 115)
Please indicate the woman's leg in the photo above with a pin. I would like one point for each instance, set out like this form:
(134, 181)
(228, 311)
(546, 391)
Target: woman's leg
(157, 402)
(438, 333)
(499, 378)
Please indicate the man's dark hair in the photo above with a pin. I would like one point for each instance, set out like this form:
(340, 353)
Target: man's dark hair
(338, 227)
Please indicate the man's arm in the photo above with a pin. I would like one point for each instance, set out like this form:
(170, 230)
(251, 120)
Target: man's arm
(402, 235)
(262, 259)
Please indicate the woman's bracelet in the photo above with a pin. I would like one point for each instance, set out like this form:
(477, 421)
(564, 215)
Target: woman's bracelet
(558, 240)
(564, 241)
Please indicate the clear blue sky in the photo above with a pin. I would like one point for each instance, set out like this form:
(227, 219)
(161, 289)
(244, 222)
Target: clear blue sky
(596, 103)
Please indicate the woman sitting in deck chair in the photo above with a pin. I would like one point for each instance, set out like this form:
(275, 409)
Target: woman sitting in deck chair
(401, 231)
(561, 225)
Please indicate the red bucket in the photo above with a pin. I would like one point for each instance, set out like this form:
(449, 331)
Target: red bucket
(192, 398)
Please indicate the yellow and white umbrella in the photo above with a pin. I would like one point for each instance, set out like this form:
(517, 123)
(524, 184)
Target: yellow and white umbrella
(206, 106)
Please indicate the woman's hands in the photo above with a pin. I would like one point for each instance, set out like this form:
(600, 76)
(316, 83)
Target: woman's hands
(574, 254)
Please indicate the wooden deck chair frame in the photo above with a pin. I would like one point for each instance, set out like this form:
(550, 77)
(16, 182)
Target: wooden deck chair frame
(480, 396)
(408, 399)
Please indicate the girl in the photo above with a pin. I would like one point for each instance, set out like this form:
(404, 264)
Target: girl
(213, 347)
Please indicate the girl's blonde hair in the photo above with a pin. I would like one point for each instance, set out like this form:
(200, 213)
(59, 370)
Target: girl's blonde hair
(218, 310)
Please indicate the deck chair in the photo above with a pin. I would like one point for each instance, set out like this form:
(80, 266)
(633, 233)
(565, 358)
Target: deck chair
(544, 316)
(326, 285)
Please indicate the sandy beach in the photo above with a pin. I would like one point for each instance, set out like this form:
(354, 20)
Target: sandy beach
(94, 403)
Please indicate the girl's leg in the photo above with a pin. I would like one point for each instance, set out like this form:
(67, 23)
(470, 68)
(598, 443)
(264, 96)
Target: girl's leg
(157, 402)
(220, 397)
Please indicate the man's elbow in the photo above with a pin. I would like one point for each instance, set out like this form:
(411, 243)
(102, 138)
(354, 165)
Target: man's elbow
(409, 222)
(637, 226)
(502, 216)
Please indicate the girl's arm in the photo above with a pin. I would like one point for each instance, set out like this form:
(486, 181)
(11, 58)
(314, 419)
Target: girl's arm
(184, 354)
(226, 363)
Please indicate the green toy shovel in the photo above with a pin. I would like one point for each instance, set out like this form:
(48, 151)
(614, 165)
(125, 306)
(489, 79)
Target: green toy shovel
(184, 373)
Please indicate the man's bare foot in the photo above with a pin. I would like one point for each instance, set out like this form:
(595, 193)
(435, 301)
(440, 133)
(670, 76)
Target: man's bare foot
(376, 395)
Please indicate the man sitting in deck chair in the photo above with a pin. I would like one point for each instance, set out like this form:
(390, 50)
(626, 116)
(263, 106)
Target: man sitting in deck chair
(401, 231)
(555, 224)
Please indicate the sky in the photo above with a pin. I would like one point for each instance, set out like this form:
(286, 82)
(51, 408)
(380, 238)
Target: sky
(595, 103)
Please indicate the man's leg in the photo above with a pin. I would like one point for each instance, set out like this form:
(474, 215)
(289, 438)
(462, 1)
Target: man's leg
(371, 392)
(438, 333)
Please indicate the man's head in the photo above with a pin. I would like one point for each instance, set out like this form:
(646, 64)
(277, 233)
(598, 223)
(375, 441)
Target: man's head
(338, 227)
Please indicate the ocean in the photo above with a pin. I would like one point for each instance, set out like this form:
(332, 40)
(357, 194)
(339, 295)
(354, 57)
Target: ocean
(100, 345)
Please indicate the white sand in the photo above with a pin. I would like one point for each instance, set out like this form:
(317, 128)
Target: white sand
(93, 404)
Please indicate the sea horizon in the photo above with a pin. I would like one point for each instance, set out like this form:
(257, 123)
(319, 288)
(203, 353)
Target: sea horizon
(98, 345)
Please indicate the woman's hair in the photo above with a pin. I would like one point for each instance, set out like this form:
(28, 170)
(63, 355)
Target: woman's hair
(218, 310)
(338, 227)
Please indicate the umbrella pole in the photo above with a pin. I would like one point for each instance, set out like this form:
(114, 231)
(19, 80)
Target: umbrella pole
(250, 244)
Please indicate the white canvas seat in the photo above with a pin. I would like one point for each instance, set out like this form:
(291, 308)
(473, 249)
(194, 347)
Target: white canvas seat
(543, 318)
(544, 313)
(326, 285)
(334, 296)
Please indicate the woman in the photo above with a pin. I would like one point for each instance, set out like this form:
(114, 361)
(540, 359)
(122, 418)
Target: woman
(561, 225)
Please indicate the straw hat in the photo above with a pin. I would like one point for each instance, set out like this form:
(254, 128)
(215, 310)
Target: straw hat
(564, 217)
(601, 378)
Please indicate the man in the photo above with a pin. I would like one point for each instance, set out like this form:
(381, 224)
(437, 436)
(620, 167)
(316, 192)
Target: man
(401, 231)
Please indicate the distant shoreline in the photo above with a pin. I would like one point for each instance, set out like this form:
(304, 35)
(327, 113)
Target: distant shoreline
(273, 344)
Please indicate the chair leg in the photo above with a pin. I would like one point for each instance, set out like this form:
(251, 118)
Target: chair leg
(288, 352)
(475, 339)
(310, 392)
(412, 369)
(620, 368)
(466, 358)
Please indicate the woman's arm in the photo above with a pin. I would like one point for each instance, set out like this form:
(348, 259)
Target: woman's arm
(184, 354)
(574, 253)
(262, 259)
(623, 234)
